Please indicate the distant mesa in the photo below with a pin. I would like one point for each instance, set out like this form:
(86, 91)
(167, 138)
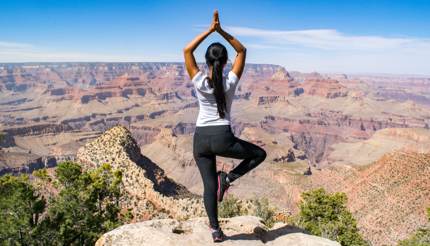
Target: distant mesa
(281, 74)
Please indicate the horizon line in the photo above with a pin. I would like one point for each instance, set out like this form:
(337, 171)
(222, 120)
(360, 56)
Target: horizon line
(248, 63)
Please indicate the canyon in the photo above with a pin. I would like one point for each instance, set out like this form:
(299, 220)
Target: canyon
(352, 132)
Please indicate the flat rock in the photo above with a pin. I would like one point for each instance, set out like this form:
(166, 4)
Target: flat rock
(240, 230)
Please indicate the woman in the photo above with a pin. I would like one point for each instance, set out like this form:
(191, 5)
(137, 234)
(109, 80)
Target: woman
(213, 135)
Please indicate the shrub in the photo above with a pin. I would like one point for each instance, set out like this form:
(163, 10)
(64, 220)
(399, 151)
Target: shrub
(20, 207)
(326, 215)
(229, 207)
(420, 238)
(87, 205)
(264, 211)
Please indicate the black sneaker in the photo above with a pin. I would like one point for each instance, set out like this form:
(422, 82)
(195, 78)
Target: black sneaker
(223, 185)
(218, 235)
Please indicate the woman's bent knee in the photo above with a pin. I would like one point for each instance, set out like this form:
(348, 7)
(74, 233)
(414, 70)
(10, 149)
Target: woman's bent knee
(261, 154)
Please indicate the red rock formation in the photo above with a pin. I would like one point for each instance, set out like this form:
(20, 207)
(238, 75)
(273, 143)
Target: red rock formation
(388, 197)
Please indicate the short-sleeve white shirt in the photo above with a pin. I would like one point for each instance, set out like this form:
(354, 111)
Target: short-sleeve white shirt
(208, 111)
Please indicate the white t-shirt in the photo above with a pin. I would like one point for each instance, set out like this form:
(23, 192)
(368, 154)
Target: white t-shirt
(208, 111)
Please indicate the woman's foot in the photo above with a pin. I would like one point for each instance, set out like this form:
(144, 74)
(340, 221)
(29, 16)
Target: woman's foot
(217, 235)
(223, 185)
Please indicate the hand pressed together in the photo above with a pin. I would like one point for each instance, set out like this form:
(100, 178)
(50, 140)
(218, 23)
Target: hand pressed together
(215, 25)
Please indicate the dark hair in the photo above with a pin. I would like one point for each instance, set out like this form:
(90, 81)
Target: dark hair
(216, 56)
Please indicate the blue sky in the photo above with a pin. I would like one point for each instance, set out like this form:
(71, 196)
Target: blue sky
(324, 36)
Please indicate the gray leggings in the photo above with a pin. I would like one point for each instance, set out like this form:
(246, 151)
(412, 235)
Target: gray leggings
(210, 141)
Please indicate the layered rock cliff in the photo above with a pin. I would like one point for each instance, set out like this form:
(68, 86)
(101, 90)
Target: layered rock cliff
(149, 193)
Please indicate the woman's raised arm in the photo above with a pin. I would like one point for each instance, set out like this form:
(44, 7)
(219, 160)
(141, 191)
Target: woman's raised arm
(190, 61)
(239, 62)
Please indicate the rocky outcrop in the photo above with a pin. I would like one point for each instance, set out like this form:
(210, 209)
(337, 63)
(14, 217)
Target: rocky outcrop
(241, 230)
(149, 193)
(328, 88)
(290, 157)
(281, 74)
(271, 99)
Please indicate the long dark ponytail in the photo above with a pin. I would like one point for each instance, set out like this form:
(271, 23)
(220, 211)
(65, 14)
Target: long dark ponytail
(216, 56)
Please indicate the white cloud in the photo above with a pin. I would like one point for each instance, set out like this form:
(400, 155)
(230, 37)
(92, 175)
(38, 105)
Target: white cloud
(332, 51)
(327, 39)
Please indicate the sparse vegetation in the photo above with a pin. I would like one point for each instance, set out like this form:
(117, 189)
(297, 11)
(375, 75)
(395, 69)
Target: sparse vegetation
(420, 238)
(230, 207)
(86, 206)
(42, 174)
(326, 215)
(265, 211)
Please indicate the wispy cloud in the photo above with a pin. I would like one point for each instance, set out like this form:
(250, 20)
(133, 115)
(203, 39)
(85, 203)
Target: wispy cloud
(332, 51)
(328, 39)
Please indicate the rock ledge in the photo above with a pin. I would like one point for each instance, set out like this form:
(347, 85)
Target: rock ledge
(241, 230)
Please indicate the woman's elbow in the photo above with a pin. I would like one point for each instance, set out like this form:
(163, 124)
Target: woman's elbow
(187, 50)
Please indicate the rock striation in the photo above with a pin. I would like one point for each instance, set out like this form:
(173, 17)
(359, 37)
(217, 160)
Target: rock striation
(388, 197)
(149, 193)
(240, 230)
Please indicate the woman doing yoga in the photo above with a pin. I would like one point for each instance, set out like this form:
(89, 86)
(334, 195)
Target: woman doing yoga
(213, 135)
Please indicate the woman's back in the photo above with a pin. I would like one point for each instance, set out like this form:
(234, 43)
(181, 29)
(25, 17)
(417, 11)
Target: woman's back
(208, 112)
(213, 134)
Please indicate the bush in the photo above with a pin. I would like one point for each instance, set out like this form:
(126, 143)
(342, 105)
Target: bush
(420, 238)
(20, 207)
(326, 215)
(229, 207)
(87, 205)
(264, 211)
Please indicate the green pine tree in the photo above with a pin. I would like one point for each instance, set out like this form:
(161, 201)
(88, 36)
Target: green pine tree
(326, 215)
(87, 205)
(20, 208)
